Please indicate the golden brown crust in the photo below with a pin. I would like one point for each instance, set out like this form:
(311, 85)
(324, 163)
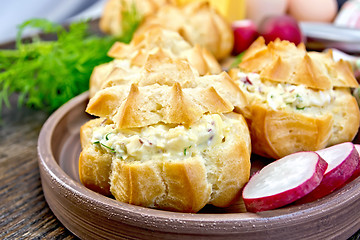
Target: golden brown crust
(276, 134)
(136, 183)
(177, 186)
(284, 130)
(208, 28)
(94, 170)
(100, 74)
(171, 43)
(282, 61)
(94, 165)
(345, 75)
(346, 117)
(168, 105)
(157, 82)
(281, 132)
(86, 132)
(147, 51)
(339, 72)
(213, 176)
(111, 20)
(216, 176)
(309, 74)
(198, 23)
(162, 90)
(233, 173)
(104, 104)
(226, 87)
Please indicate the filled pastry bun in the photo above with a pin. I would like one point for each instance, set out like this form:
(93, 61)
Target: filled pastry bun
(167, 139)
(113, 20)
(198, 23)
(297, 100)
(128, 58)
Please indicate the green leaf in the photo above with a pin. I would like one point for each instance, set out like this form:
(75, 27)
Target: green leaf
(237, 61)
(43, 24)
(46, 74)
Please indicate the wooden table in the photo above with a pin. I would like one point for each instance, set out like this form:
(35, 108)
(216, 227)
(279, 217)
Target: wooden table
(24, 213)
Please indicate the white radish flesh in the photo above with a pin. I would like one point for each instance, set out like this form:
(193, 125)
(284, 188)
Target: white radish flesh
(342, 161)
(284, 181)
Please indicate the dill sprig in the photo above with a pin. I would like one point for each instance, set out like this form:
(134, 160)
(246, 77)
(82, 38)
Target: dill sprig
(237, 60)
(46, 74)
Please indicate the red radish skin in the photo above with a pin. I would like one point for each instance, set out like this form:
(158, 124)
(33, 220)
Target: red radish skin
(245, 33)
(357, 170)
(283, 27)
(269, 189)
(342, 161)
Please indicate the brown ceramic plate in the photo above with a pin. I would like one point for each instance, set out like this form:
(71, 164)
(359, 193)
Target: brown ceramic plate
(90, 215)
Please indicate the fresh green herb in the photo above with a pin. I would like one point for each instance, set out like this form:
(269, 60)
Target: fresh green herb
(110, 148)
(300, 108)
(107, 135)
(46, 74)
(185, 149)
(237, 61)
(130, 22)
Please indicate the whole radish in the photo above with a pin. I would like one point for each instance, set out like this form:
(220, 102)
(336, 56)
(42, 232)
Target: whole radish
(283, 27)
(245, 33)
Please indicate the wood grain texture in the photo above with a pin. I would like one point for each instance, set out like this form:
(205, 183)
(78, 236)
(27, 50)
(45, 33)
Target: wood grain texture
(24, 213)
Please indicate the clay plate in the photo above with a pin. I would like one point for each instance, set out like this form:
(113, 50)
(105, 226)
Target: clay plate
(90, 215)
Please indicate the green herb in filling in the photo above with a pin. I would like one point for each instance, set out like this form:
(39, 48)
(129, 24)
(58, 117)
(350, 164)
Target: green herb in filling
(185, 149)
(107, 136)
(110, 148)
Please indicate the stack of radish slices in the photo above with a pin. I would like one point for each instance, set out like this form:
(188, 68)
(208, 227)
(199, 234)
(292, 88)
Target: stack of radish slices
(302, 177)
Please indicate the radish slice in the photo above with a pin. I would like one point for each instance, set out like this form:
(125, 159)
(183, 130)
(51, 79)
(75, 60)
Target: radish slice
(342, 161)
(357, 170)
(284, 181)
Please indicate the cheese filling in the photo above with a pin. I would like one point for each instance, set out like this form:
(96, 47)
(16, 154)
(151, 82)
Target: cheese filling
(160, 140)
(280, 96)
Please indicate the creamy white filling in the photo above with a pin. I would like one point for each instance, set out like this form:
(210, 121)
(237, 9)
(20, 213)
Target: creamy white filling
(160, 140)
(280, 96)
